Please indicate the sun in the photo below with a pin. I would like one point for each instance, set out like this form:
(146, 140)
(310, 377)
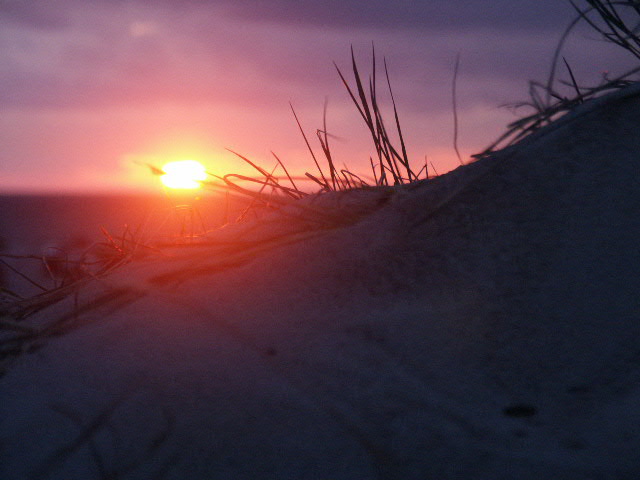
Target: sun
(183, 174)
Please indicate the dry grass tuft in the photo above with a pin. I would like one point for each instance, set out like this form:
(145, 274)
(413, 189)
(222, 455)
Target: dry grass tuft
(392, 168)
(617, 22)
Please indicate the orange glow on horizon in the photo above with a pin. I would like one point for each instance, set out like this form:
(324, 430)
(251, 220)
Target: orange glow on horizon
(183, 174)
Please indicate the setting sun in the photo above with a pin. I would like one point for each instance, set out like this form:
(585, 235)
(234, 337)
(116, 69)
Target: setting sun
(183, 174)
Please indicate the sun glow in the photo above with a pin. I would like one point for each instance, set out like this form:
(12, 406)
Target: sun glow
(183, 174)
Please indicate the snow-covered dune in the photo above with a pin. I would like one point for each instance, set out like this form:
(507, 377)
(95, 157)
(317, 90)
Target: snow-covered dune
(481, 325)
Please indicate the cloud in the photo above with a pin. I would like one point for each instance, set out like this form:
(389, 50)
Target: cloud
(94, 54)
(513, 15)
(109, 53)
(40, 14)
(382, 15)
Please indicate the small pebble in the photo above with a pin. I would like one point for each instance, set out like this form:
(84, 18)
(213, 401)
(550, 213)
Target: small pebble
(520, 410)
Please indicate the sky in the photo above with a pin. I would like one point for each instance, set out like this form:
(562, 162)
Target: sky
(90, 90)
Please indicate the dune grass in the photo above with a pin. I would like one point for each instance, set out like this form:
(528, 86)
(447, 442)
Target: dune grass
(390, 167)
(617, 22)
(67, 275)
(612, 21)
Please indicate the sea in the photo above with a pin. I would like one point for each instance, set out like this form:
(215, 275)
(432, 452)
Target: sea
(34, 229)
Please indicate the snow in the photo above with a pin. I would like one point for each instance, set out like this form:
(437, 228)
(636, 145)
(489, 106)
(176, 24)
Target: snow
(484, 324)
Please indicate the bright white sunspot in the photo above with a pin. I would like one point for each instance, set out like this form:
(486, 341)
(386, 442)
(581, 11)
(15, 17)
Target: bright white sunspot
(183, 174)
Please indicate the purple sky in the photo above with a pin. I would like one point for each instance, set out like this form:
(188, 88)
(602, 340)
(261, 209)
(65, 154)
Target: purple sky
(90, 87)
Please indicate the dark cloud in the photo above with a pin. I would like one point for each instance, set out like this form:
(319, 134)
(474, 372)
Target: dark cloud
(40, 14)
(265, 52)
(416, 15)
(420, 15)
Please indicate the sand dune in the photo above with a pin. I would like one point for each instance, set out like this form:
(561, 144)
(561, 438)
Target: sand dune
(483, 324)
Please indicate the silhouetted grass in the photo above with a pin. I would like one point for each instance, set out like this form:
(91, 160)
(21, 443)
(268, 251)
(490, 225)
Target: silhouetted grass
(612, 21)
(393, 161)
(393, 166)
(617, 22)
(68, 274)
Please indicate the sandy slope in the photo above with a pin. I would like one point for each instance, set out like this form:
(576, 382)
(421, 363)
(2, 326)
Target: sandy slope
(485, 324)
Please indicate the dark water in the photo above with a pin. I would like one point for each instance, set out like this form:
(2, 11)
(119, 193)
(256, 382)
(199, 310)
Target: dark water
(68, 224)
